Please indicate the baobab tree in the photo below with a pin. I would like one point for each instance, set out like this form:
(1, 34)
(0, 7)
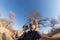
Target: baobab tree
(35, 18)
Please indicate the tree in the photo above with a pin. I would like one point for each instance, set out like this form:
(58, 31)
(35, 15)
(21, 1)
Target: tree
(35, 18)
(53, 22)
(11, 18)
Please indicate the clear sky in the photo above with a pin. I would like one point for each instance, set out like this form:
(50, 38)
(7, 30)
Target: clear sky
(47, 8)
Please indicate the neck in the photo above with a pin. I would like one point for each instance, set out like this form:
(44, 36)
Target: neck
(24, 30)
(32, 30)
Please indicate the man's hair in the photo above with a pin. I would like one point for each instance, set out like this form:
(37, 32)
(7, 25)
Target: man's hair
(25, 26)
(31, 25)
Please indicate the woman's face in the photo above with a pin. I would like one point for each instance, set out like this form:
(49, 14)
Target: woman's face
(25, 28)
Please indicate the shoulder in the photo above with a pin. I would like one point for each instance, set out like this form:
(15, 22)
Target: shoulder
(37, 32)
(38, 35)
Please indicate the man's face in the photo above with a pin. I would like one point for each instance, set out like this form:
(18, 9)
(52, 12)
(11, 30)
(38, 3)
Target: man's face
(32, 27)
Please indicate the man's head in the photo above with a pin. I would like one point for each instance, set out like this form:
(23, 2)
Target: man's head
(32, 26)
(25, 27)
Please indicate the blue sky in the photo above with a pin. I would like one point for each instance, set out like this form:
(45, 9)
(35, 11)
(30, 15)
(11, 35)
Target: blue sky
(47, 8)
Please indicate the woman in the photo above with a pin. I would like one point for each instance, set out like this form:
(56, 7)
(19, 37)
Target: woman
(19, 34)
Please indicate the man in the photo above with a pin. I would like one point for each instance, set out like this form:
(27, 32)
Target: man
(32, 34)
(20, 34)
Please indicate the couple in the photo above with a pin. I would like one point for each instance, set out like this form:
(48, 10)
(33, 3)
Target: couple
(32, 34)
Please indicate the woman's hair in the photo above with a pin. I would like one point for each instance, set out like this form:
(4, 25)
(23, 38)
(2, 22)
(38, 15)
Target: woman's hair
(25, 26)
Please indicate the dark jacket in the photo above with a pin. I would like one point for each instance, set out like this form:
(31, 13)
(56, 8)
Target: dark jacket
(32, 35)
(22, 37)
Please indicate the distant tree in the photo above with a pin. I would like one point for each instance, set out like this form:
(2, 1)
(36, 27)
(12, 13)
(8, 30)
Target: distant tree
(59, 17)
(53, 22)
(11, 18)
(0, 14)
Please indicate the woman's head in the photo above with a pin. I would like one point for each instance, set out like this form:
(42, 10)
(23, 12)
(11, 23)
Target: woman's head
(25, 27)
